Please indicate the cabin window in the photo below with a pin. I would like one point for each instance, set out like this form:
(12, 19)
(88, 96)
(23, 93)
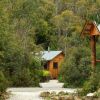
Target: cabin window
(46, 66)
(55, 65)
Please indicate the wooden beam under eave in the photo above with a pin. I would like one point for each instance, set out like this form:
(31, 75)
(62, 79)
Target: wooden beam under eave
(97, 60)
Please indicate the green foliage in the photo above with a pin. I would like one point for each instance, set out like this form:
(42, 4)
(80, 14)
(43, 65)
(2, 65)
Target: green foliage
(22, 78)
(17, 42)
(36, 62)
(76, 67)
(60, 78)
(3, 83)
(97, 48)
(92, 84)
(46, 73)
(25, 78)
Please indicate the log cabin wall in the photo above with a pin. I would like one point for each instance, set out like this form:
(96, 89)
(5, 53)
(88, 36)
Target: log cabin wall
(54, 70)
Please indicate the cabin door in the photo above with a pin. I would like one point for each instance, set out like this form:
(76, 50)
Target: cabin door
(55, 70)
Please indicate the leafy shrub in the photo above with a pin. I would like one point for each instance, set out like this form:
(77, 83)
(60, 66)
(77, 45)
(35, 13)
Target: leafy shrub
(25, 78)
(45, 75)
(3, 82)
(35, 74)
(3, 85)
(60, 78)
(92, 84)
(76, 68)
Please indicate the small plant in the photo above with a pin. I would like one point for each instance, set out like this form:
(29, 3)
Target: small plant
(46, 73)
(3, 82)
(43, 75)
(3, 85)
(60, 78)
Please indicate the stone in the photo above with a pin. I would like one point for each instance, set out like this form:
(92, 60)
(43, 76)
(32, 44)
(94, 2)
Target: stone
(53, 93)
(97, 94)
(90, 94)
(54, 98)
(66, 97)
(45, 94)
(77, 98)
(88, 98)
(61, 93)
(67, 93)
(61, 97)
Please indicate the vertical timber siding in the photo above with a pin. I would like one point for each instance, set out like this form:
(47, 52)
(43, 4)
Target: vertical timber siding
(54, 72)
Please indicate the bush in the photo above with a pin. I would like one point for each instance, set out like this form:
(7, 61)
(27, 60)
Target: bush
(3, 83)
(36, 77)
(45, 75)
(76, 68)
(25, 78)
(92, 84)
(60, 78)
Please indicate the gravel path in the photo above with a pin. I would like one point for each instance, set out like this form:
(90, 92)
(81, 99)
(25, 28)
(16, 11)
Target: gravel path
(25, 96)
(33, 93)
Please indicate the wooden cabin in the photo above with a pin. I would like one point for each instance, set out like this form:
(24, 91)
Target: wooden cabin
(53, 61)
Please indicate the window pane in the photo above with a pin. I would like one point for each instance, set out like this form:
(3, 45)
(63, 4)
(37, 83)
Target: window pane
(46, 66)
(55, 65)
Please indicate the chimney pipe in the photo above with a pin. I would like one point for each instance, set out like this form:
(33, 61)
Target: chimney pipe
(48, 49)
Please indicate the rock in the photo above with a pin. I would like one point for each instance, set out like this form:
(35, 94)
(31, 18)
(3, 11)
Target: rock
(88, 98)
(45, 94)
(61, 93)
(54, 98)
(67, 93)
(53, 93)
(83, 98)
(77, 98)
(97, 94)
(61, 97)
(66, 97)
(98, 90)
(90, 94)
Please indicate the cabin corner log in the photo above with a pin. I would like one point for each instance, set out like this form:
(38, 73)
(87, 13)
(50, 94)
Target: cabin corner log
(93, 48)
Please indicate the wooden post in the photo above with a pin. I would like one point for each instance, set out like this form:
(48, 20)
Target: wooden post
(93, 48)
(97, 60)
